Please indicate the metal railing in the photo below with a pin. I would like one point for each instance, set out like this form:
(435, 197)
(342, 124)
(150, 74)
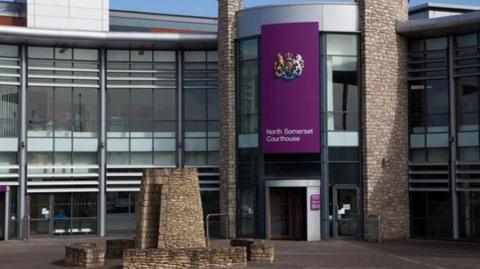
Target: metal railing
(207, 223)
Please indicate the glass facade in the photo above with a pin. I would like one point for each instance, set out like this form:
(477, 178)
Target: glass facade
(141, 102)
(444, 137)
(62, 113)
(339, 162)
(161, 110)
(200, 109)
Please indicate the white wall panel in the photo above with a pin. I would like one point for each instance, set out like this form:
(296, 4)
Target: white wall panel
(90, 15)
(332, 17)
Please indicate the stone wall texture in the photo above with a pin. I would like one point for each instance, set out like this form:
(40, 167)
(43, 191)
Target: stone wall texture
(184, 258)
(84, 255)
(258, 251)
(170, 210)
(227, 84)
(385, 116)
(115, 247)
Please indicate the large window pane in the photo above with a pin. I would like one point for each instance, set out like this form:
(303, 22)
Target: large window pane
(430, 214)
(437, 96)
(249, 88)
(8, 111)
(40, 111)
(165, 104)
(342, 44)
(195, 104)
(249, 49)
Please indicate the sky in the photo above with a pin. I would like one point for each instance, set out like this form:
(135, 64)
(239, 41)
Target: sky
(209, 7)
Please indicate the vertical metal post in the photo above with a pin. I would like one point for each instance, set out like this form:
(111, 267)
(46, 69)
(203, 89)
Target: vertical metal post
(453, 138)
(179, 148)
(22, 190)
(102, 147)
(324, 185)
(7, 214)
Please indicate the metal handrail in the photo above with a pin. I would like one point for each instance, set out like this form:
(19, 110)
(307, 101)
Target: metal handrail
(207, 219)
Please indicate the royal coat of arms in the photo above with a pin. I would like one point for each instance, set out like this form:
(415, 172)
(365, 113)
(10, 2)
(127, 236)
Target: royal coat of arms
(288, 66)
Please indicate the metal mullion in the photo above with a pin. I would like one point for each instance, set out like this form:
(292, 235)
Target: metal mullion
(465, 66)
(129, 121)
(152, 126)
(426, 61)
(420, 70)
(466, 75)
(453, 140)
(206, 107)
(425, 78)
(72, 91)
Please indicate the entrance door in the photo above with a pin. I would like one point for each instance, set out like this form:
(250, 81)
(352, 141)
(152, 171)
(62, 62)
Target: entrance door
(346, 214)
(40, 213)
(288, 213)
(2, 216)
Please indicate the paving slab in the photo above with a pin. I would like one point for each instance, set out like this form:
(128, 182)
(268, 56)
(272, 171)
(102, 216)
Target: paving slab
(49, 253)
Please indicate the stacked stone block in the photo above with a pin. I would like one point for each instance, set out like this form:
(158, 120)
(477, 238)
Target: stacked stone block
(259, 251)
(262, 251)
(385, 116)
(170, 211)
(184, 258)
(115, 247)
(227, 31)
(148, 221)
(84, 255)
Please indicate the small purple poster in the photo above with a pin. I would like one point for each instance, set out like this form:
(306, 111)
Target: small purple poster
(315, 202)
(290, 94)
(3, 189)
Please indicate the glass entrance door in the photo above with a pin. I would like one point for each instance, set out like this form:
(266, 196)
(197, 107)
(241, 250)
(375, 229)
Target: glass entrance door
(40, 211)
(2, 215)
(63, 214)
(346, 212)
(288, 213)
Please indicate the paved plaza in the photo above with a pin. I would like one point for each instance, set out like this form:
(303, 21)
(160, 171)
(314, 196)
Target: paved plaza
(48, 253)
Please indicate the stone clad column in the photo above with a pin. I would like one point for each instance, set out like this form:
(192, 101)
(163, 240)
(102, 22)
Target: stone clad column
(226, 73)
(385, 117)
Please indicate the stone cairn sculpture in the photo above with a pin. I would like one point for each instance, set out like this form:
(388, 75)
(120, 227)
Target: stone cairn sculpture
(170, 231)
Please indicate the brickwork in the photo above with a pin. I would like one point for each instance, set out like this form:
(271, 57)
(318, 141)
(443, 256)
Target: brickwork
(115, 247)
(385, 115)
(170, 210)
(226, 81)
(259, 251)
(184, 258)
(262, 251)
(84, 255)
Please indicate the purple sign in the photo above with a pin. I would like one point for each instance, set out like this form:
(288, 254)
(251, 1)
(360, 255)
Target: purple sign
(290, 88)
(315, 202)
(3, 188)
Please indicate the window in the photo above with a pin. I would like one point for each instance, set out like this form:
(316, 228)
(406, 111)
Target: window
(428, 100)
(9, 113)
(201, 108)
(62, 105)
(430, 214)
(248, 123)
(342, 90)
(141, 107)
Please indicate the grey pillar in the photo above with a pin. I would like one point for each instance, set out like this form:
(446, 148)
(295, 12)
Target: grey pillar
(180, 161)
(22, 191)
(7, 214)
(102, 145)
(453, 139)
